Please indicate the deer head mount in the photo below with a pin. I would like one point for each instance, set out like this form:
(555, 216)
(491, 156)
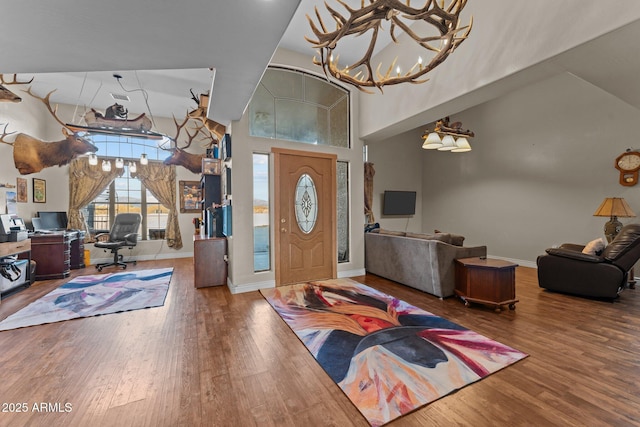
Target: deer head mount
(5, 94)
(445, 20)
(31, 155)
(200, 113)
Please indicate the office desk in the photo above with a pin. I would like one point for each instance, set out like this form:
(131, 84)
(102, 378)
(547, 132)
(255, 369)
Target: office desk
(57, 253)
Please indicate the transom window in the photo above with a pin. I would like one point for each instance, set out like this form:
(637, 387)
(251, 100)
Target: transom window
(295, 106)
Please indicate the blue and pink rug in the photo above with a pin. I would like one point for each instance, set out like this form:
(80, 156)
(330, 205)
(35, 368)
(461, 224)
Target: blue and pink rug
(94, 295)
(387, 356)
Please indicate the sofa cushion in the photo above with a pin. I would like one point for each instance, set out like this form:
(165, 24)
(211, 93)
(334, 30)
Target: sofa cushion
(442, 237)
(594, 247)
(456, 239)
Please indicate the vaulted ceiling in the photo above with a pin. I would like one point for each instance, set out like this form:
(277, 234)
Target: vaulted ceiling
(167, 49)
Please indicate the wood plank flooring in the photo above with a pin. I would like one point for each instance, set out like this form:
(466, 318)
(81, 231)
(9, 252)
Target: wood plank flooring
(209, 358)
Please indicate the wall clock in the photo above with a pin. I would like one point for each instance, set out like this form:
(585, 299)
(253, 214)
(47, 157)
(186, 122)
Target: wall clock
(628, 163)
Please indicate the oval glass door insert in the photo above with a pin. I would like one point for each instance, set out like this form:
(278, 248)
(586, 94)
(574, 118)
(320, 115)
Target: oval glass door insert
(306, 203)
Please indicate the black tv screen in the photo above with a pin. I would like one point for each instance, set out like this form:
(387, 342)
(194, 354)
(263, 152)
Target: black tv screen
(53, 220)
(399, 203)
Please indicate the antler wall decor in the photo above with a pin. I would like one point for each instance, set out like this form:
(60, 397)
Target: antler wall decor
(31, 154)
(445, 20)
(179, 156)
(5, 94)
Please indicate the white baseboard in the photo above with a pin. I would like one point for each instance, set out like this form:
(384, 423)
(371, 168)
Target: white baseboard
(351, 273)
(250, 287)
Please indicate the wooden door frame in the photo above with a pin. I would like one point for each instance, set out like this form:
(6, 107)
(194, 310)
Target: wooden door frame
(334, 218)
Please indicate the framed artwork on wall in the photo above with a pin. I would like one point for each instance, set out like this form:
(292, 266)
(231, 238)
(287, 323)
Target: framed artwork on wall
(22, 190)
(190, 196)
(210, 166)
(39, 190)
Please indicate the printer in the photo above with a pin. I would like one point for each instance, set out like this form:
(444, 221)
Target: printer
(12, 229)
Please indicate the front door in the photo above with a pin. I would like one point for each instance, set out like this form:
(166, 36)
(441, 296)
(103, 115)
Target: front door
(305, 194)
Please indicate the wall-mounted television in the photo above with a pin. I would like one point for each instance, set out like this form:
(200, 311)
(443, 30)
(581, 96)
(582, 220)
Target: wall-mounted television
(399, 203)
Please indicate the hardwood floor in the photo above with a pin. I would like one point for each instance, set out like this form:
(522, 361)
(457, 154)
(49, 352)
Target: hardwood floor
(209, 358)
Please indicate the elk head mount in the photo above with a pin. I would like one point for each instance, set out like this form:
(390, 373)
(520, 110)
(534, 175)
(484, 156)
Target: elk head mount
(179, 156)
(31, 155)
(5, 94)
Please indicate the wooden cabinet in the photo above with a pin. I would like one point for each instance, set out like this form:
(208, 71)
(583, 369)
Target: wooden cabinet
(486, 281)
(209, 265)
(52, 253)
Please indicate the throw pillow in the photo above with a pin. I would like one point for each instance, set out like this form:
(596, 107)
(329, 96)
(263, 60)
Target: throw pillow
(594, 247)
(456, 239)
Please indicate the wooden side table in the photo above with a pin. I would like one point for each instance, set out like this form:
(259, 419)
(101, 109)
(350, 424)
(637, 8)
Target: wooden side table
(486, 281)
(209, 266)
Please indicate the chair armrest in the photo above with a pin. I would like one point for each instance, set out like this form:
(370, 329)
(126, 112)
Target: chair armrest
(572, 247)
(568, 253)
(131, 238)
(101, 237)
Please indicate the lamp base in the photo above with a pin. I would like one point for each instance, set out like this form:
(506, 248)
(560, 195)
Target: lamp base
(612, 228)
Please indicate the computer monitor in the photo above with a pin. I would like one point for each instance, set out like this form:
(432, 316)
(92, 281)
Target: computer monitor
(53, 220)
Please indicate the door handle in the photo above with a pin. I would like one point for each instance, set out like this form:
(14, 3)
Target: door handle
(284, 230)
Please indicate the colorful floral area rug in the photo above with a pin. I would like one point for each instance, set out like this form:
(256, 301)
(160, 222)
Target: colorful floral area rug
(94, 295)
(387, 356)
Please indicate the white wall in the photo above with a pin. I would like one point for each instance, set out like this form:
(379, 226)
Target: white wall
(241, 275)
(507, 37)
(30, 116)
(542, 162)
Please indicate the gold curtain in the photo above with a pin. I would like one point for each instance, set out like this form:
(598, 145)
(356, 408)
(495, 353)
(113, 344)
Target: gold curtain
(160, 180)
(86, 182)
(369, 172)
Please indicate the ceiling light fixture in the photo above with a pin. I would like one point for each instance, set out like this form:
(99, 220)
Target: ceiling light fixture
(447, 137)
(401, 18)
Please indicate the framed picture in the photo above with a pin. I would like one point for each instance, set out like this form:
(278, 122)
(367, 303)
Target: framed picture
(39, 190)
(190, 196)
(22, 190)
(210, 166)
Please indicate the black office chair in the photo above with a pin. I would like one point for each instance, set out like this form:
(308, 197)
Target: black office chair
(124, 233)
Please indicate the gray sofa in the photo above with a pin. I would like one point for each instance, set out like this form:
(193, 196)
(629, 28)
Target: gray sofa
(418, 262)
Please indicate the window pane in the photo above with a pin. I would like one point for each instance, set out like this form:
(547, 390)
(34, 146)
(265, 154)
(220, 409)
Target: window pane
(343, 211)
(261, 250)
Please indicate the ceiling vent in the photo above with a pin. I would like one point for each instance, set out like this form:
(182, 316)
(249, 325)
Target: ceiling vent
(118, 97)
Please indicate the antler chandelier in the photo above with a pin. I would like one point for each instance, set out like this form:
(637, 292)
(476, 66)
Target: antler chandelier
(445, 20)
(448, 136)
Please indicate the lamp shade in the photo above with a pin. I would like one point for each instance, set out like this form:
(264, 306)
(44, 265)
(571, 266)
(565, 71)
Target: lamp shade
(614, 206)
(448, 143)
(462, 145)
(432, 141)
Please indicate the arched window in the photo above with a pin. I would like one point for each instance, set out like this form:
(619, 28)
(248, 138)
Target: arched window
(126, 194)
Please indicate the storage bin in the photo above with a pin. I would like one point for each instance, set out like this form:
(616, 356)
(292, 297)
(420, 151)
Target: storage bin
(6, 284)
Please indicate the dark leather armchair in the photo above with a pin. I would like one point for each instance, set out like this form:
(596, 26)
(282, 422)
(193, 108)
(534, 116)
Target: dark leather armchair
(566, 269)
(124, 233)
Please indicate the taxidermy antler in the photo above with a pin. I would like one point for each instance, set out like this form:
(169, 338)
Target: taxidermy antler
(5, 94)
(179, 156)
(445, 20)
(200, 113)
(31, 154)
